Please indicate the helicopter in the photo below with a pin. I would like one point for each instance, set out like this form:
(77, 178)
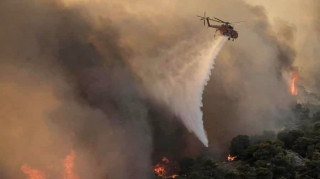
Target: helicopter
(225, 28)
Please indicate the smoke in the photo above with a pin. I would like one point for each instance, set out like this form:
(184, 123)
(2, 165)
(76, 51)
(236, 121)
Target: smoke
(249, 91)
(103, 78)
(60, 93)
(305, 17)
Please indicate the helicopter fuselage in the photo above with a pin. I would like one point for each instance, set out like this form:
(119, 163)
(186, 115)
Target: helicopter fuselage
(227, 30)
(224, 29)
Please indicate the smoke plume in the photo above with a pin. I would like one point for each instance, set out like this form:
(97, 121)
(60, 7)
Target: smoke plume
(117, 81)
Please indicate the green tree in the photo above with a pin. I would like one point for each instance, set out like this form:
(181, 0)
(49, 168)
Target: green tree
(289, 137)
(264, 173)
(246, 172)
(301, 145)
(239, 144)
(266, 135)
(311, 170)
(316, 129)
(316, 116)
(268, 149)
(201, 168)
(282, 166)
(232, 175)
(186, 164)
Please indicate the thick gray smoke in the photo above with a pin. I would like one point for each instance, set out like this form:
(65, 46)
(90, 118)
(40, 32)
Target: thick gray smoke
(60, 93)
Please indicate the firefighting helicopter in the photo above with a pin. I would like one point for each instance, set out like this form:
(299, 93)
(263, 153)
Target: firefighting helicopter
(225, 28)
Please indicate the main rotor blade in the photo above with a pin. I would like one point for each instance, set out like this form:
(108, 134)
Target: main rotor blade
(215, 20)
(220, 20)
(238, 22)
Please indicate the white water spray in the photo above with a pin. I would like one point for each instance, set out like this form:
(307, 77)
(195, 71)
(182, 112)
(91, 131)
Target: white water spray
(178, 78)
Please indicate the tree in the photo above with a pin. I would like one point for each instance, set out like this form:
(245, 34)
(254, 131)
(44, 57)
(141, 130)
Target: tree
(302, 144)
(264, 173)
(246, 172)
(316, 128)
(316, 116)
(282, 167)
(289, 137)
(266, 135)
(232, 175)
(201, 168)
(311, 170)
(268, 149)
(239, 144)
(186, 164)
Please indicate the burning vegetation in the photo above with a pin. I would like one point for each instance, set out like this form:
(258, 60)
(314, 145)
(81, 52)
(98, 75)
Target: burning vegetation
(293, 153)
(231, 158)
(68, 173)
(165, 169)
(68, 166)
(293, 88)
(32, 173)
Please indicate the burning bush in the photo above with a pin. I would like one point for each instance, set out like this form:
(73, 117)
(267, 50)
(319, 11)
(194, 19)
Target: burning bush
(68, 173)
(165, 168)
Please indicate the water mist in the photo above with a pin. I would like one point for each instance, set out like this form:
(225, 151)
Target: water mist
(177, 80)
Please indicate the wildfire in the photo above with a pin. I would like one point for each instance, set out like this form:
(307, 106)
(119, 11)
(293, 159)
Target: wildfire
(68, 166)
(231, 158)
(162, 169)
(32, 173)
(293, 88)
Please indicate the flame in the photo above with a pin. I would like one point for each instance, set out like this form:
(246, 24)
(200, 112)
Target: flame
(68, 166)
(231, 158)
(165, 160)
(174, 176)
(293, 88)
(162, 169)
(32, 173)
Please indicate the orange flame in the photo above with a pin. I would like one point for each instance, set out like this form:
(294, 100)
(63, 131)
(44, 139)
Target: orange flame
(231, 158)
(162, 169)
(293, 88)
(68, 166)
(32, 173)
